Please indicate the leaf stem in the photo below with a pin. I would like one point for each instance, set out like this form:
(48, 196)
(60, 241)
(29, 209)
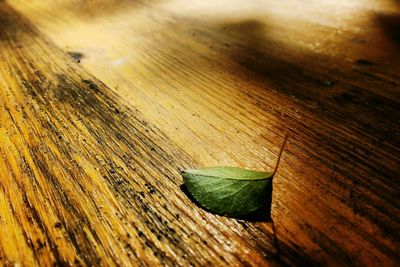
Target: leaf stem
(280, 154)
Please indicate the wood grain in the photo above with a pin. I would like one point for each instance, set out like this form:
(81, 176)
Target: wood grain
(102, 103)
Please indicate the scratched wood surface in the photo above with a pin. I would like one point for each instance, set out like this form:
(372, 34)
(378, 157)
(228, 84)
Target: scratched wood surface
(103, 103)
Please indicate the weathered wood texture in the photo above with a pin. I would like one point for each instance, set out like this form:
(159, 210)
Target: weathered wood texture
(102, 103)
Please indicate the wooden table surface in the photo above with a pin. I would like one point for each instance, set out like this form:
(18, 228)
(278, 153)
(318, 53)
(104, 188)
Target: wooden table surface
(103, 103)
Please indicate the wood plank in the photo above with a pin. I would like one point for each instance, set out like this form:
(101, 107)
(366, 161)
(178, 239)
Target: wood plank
(91, 150)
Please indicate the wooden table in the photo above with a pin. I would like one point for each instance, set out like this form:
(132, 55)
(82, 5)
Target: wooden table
(103, 103)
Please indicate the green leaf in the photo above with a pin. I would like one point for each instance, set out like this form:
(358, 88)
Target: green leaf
(230, 191)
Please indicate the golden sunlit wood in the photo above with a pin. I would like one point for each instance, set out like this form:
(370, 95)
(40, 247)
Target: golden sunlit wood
(103, 104)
